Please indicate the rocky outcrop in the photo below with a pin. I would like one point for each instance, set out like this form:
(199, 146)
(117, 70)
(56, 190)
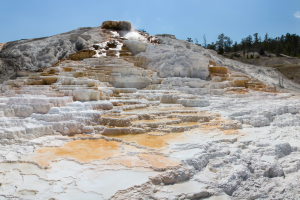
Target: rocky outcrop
(117, 25)
(38, 53)
(169, 61)
(83, 54)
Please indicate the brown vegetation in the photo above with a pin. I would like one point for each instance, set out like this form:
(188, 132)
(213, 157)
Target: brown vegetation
(288, 66)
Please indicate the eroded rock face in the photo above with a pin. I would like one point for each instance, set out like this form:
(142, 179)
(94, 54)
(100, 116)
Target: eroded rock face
(117, 25)
(34, 54)
(171, 62)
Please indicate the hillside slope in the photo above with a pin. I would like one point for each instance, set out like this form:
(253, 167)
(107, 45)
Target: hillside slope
(34, 54)
(38, 53)
(288, 66)
(268, 75)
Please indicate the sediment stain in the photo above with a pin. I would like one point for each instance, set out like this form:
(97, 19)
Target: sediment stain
(81, 150)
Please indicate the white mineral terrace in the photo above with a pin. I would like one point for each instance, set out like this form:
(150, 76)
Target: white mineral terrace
(105, 128)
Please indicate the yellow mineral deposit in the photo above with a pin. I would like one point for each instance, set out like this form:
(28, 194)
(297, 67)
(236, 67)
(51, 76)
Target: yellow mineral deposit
(157, 120)
(157, 133)
(231, 132)
(187, 124)
(129, 161)
(197, 114)
(152, 141)
(158, 109)
(83, 135)
(81, 150)
(160, 161)
(117, 116)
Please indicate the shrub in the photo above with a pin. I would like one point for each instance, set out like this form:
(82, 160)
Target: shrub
(189, 39)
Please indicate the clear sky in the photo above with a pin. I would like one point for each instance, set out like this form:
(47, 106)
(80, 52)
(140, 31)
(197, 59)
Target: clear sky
(237, 19)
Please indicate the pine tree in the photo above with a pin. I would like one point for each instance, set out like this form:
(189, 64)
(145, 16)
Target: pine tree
(220, 43)
(288, 49)
(235, 46)
(255, 44)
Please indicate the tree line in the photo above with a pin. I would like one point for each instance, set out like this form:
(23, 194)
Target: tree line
(286, 44)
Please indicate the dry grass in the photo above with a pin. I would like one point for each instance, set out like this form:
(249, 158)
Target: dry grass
(291, 71)
(289, 67)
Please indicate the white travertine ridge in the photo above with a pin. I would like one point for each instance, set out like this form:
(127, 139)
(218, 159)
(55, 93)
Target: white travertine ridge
(134, 116)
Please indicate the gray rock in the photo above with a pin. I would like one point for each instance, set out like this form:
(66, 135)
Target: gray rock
(259, 121)
(170, 61)
(193, 102)
(37, 53)
(282, 149)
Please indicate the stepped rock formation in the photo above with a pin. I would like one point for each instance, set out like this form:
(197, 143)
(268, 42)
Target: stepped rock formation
(115, 113)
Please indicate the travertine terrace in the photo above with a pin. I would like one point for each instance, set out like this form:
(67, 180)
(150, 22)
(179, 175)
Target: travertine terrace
(136, 116)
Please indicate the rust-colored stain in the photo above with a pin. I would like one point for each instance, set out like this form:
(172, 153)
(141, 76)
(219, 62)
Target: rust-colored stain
(117, 116)
(157, 133)
(196, 114)
(81, 150)
(209, 128)
(157, 120)
(152, 141)
(84, 135)
(160, 161)
(231, 132)
(186, 124)
(129, 161)
(158, 109)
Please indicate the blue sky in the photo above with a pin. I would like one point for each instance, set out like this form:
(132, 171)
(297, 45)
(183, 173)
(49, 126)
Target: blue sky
(184, 18)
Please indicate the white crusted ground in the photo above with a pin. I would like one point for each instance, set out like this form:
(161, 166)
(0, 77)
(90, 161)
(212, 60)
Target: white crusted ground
(106, 128)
